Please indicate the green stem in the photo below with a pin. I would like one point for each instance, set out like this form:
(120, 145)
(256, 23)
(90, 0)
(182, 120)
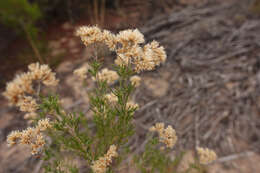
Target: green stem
(32, 44)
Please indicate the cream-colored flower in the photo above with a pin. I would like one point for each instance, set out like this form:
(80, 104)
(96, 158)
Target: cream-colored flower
(28, 135)
(127, 45)
(128, 55)
(153, 55)
(81, 72)
(43, 73)
(109, 76)
(130, 37)
(17, 89)
(13, 137)
(44, 124)
(27, 104)
(112, 98)
(122, 60)
(158, 52)
(167, 135)
(89, 35)
(32, 136)
(109, 39)
(132, 105)
(144, 61)
(30, 115)
(101, 165)
(38, 144)
(135, 80)
(112, 152)
(206, 155)
(93, 34)
(159, 127)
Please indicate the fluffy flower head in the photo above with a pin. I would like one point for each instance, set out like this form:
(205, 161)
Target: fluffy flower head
(32, 136)
(109, 76)
(16, 89)
(27, 104)
(132, 105)
(112, 98)
(166, 135)
(100, 165)
(132, 37)
(13, 137)
(127, 46)
(43, 73)
(81, 72)
(206, 155)
(89, 35)
(22, 84)
(135, 80)
(44, 124)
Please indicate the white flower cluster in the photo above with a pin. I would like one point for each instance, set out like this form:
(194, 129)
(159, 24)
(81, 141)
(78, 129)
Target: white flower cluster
(167, 135)
(206, 155)
(112, 98)
(135, 80)
(100, 165)
(17, 91)
(81, 72)
(109, 76)
(127, 45)
(31, 136)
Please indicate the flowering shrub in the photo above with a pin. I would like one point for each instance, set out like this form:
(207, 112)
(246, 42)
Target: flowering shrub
(58, 134)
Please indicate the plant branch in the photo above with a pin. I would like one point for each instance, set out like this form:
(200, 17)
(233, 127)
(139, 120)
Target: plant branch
(29, 38)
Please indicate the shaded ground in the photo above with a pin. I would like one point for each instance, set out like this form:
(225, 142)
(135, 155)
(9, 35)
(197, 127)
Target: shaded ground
(208, 89)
